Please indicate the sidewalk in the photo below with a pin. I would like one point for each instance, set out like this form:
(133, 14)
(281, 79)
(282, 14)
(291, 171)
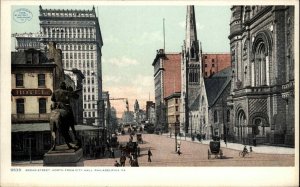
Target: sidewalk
(257, 149)
(27, 163)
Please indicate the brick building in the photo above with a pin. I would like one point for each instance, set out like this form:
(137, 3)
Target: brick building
(214, 62)
(167, 80)
(262, 87)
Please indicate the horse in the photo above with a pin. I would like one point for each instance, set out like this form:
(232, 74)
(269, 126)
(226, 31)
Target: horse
(60, 123)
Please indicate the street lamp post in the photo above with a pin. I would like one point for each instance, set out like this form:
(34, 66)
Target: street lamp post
(176, 132)
(191, 125)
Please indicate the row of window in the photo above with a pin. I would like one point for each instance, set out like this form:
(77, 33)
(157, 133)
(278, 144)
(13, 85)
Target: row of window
(89, 89)
(212, 60)
(76, 47)
(70, 32)
(88, 80)
(89, 106)
(62, 35)
(89, 114)
(78, 55)
(70, 64)
(20, 103)
(20, 80)
(194, 75)
(89, 98)
(212, 65)
(68, 14)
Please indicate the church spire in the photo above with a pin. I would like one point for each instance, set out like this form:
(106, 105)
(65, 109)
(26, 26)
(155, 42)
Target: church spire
(191, 42)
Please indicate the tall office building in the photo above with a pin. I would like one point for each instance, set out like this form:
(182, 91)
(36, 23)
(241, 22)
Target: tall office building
(77, 33)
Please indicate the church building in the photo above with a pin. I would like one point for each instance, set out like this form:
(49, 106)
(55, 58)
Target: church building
(262, 86)
(190, 74)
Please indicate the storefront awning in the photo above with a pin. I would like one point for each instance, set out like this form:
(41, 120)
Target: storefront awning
(40, 127)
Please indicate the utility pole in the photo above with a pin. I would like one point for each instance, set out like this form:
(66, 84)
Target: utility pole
(164, 34)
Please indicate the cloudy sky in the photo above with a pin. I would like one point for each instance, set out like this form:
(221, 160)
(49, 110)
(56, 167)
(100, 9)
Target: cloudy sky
(131, 36)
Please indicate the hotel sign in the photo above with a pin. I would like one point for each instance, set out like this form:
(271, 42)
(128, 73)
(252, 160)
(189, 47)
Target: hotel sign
(31, 92)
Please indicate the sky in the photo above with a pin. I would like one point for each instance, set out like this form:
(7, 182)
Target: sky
(131, 36)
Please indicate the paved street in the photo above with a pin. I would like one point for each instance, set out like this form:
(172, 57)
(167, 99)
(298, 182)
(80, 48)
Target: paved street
(194, 154)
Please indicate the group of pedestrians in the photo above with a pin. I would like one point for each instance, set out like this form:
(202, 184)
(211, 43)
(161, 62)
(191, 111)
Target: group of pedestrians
(133, 159)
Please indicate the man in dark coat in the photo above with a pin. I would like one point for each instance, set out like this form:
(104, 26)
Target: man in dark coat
(149, 155)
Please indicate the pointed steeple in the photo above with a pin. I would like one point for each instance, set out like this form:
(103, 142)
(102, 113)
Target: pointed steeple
(191, 42)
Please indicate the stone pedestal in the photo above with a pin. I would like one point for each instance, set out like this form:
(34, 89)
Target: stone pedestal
(62, 156)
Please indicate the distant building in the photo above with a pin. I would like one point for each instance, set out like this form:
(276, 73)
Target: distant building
(152, 115)
(128, 117)
(150, 112)
(148, 105)
(214, 62)
(173, 112)
(167, 80)
(113, 118)
(262, 88)
(136, 111)
(107, 107)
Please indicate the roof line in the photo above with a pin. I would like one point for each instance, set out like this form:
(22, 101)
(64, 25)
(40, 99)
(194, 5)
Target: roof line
(221, 91)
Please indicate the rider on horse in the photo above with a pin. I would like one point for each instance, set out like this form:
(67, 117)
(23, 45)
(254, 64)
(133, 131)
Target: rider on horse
(61, 98)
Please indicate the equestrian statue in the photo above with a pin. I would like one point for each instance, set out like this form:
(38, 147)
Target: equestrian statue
(61, 117)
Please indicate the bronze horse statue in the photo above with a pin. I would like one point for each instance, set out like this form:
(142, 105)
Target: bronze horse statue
(60, 123)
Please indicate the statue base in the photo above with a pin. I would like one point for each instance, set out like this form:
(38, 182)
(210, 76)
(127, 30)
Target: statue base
(63, 156)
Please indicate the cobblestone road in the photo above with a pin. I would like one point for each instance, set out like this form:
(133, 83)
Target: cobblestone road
(194, 154)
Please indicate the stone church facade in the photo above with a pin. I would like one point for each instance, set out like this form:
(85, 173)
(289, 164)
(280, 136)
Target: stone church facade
(262, 86)
(190, 74)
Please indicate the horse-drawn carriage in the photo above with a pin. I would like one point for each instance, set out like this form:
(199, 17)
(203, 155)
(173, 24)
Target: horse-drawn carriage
(215, 149)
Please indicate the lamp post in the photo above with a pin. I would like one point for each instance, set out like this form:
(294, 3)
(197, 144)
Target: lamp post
(176, 132)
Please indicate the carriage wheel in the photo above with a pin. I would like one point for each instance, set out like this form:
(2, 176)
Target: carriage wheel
(208, 154)
(241, 154)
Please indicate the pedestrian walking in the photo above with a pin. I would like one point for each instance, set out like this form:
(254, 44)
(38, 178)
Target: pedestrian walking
(149, 155)
(135, 163)
(178, 151)
(122, 160)
(112, 152)
(131, 158)
(138, 150)
(116, 164)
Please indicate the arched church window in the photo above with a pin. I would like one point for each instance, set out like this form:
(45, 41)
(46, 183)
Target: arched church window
(241, 118)
(260, 66)
(192, 52)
